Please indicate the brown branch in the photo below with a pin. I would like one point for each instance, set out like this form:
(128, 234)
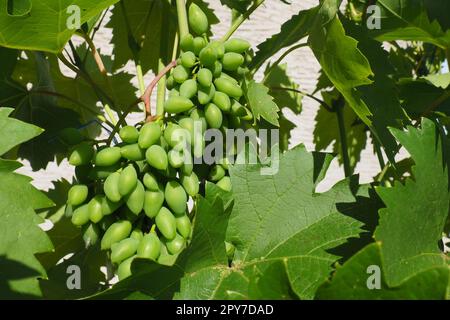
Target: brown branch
(148, 91)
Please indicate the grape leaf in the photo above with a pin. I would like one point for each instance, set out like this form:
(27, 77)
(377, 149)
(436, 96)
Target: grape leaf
(8, 90)
(41, 110)
(411, 225)
(14, 132)
(343, 63)
(261, 103)
(21, 238)
(350, 281)
(292, 31)
(46, 26)
(439, 80)
(409, 20)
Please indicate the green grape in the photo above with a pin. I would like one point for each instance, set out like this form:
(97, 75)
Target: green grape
(111, 187)
(166, 223)
(213, 116)
(115, 233)
(165, 258)
(132, 152)
(190, 183)
(205, 77)
(82, 154)
(149, 135)
(222, 101)
(236, 45)
(229, 78)
(124, 269)
(175, 245)
(81, 215)
(170, 82)
(187, 42)
(108, 206)
(149, 247)
(95, 209)
(228, 87)
(184, 226)
(219, 47)
(188, 89)
(198, 22)
(232, 61)
(129, 134)
(91, 233)
(177, 104)
(199, 115)
(217, 69)
(176, 197)
(153, 202)
(198, 44)
(176, 158)
(71, 136)
(150, 182)
(188, 124)
(205, 95)
(127, 180)
(208, 56)
(123, 250)
(135, 200)
(224, 183)
(108, 156)
(188, 59)
(180, 74)
(243, 71)
(137, 234)
(217, 172)
(77, 195)
(157, 157)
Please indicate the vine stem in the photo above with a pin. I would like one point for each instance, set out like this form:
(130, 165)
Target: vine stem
(239, 20)
(339, 107)
(148, 91)
(284, 55)
(182, 18)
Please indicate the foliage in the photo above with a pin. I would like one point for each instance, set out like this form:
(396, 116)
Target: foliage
(269, 236)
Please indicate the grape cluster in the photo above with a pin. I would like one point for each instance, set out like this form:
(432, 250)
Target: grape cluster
(134, 195)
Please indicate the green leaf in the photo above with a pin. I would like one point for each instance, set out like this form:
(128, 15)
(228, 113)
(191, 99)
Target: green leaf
(24, 28)
(292, 31)
(409, 20)
(351, 281)
(21, 238)
(261, 103)
(439, 80)
(148, 28)
(411, 225)
(14, 132)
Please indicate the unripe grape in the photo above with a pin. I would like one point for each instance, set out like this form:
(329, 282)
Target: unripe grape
(198, 22)
(132, 152)
(176, 197)
(232, 61)
(82, 154)
(213, 116)
(180, 74)
(123, 250)
(111, 187)
(228, 87)
(108, 206)
(222, 101)
(115, 233)
(184, 226)
(166, 223)
(208, 56)
(153, 202)
(205, 77)
(135, 200)
(149, 134)
(150, 182)
(175, 245)
(219, 47)
(205, 95)
(188, 59)
(236, 45)
(81, 215)
(224, 183)
(188, 89)
(108, 156)
(198, 44)
(177, 104)
(149, 247)
(77, 195)
(157, 157)
(95, 209)
(190, 183)
(217, 172)
(187, 42)
(124, 269)
(129, 134)
(127, 180)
